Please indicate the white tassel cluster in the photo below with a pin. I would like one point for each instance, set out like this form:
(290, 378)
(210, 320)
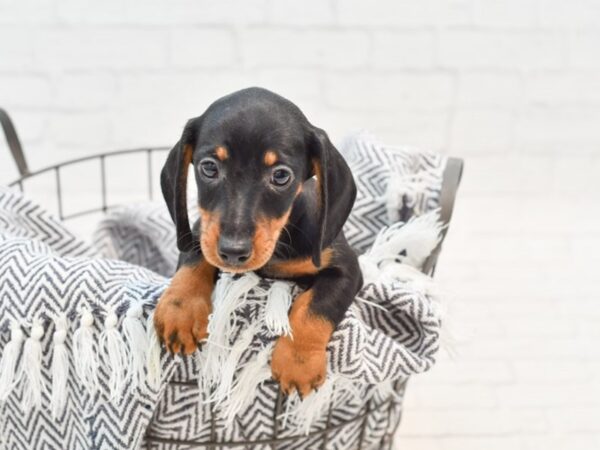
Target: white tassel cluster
(303, 414)
(279, 300)
(219, 361)
(60, 367)
(10, 374)
(228, 295)
(153, 367)
(400, 244)
(230, 364)
(85, 355)
(243, 391)
(115, 352)
(127, 356)
(136, 344)
(399, 251)
(33, 384)
(406, 188)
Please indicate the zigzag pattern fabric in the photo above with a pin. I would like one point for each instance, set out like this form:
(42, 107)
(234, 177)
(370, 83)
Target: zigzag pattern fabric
(399, 341)
(393, 184)
(48, 273)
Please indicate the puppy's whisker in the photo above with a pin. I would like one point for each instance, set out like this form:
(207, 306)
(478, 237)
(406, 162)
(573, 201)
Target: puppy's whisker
(286, 246)
(289, 235)
(308, 238)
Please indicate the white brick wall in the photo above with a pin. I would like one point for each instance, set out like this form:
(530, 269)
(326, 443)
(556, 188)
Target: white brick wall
(513, 86)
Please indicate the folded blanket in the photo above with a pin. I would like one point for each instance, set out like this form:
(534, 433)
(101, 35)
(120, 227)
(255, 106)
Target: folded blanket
(81, 367)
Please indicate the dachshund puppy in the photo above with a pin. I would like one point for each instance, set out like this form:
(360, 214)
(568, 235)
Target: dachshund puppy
(273, 194)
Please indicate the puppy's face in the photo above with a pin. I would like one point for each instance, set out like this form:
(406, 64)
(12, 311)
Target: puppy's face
(250, 163)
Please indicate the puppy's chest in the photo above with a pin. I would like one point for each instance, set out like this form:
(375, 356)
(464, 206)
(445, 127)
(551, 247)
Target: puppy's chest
(293, 269)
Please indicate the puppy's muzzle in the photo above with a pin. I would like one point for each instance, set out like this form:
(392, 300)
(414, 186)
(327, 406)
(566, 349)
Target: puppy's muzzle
(233, 251)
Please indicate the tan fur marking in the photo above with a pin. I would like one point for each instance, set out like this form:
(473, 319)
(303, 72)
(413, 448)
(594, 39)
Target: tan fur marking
(297, 267)
(270, 158)
(187, 155)
(187, 160)
(263, 243)
(195, 280)
(318, 171)
(222, 153)
(301, 363)
(309, 330)
(181, 316)
(210, 231)
(265, 238)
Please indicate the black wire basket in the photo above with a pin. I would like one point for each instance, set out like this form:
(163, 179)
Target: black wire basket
(147, 182)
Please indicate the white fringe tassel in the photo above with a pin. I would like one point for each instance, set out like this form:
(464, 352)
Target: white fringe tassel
(32, 368)
(153, 354)
(204, 385)
(85, 355)
(60, 368)
(407, 243)
(279, 300)
(406, 187)
(228, 295)
(303, 414)
(137, 343)
(228, 369)
(116, 354)
(10, 374)
(244, 388)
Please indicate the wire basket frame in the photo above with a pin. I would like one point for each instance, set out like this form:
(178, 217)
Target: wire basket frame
(101, 158)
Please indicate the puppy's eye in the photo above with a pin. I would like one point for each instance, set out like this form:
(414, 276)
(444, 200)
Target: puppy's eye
(281, 176)
(209, 169)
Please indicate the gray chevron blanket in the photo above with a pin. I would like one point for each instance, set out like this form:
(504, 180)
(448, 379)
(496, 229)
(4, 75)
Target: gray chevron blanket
(81, 368)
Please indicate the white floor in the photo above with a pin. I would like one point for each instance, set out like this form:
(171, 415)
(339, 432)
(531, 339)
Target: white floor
(523, 270)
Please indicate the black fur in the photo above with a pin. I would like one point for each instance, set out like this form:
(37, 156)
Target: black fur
(248, 123)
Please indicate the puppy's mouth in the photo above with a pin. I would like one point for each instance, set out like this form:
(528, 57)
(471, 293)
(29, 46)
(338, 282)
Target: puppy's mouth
(264, 242)
(239, 268)
(255, 261)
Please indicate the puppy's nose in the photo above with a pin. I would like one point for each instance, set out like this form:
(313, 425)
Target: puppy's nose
(234, 251)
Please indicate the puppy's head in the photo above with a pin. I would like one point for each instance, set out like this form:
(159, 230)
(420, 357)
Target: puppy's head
(251, 152)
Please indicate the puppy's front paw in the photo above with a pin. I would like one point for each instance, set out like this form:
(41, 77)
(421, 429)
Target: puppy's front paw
(296, 367)
(181, 321)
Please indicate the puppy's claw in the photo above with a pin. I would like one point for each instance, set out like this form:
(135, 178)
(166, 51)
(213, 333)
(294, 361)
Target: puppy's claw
(173, 342)
(298, 369)
(181, 324)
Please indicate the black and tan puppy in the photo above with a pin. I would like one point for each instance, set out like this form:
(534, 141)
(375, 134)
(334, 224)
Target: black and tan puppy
(273, 194)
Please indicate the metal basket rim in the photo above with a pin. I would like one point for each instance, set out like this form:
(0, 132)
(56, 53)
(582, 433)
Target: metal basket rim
(81, 159)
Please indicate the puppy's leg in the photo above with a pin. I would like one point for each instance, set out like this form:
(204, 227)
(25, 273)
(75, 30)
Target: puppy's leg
(300, 362)
(181, 316)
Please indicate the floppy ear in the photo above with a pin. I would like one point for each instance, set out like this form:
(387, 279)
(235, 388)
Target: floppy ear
(173, 182)
(336, 188)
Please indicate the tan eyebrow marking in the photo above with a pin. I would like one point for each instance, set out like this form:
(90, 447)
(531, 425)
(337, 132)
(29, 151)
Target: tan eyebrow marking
(222, 153)
(270, 157)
